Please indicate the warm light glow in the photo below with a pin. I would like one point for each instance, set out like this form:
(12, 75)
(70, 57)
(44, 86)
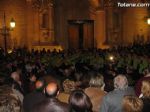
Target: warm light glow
(51, 48)
(111, 58)
(12, 23)
(9, 51)
(148, 21)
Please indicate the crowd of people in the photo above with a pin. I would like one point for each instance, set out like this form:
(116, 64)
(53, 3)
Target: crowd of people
(88, 80)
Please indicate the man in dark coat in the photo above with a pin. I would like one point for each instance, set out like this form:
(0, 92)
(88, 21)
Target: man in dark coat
(35, 97)
(51, 103)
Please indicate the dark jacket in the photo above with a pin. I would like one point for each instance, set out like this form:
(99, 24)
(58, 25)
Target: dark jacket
(51, 105)
(146, 102)
(32, 99)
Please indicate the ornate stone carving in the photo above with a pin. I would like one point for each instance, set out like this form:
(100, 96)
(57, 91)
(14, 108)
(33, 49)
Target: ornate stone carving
(42, 4)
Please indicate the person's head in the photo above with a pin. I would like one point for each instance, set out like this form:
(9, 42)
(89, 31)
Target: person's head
(120, 82)
(97, 81)
(86, 79)
(68, 86)
(80, 102)
(78, 75)
(68, 71)
(132, 104)
(15, 76)
(145, 89)
(146, 71)
(52, 90)
(39, 85)
(32, 78)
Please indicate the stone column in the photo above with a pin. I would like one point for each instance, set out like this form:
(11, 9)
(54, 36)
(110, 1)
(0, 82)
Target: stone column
(29, 31)
(100, 28)
(51, 23)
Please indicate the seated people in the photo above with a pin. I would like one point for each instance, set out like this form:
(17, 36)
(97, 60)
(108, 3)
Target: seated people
(96, 91)
(112, 101)
(145, 95)
(51, 103)
(139, 83)
(79, 102)
(34, 97)
(132, 104)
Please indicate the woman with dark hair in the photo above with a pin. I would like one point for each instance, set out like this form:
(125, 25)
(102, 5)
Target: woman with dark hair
(79, 102)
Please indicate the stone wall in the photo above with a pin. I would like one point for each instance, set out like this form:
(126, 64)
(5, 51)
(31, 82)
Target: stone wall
(27, 30)
(134, 23)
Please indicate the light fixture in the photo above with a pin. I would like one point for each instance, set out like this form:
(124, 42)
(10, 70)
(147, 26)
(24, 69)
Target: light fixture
(4, 31)
(111, 58)
(12, 23)
(148, 21)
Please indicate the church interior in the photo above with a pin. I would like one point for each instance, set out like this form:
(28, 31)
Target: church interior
(64, 24)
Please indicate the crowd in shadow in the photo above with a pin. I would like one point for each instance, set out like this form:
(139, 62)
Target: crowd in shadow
(83, 80)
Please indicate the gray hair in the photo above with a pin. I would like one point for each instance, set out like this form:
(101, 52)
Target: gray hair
(97, 81)
(120, 82)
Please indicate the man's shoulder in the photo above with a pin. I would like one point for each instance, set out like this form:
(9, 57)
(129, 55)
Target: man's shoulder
(56, 101)
(52, 104)
(63, 104)
(111, 93)
(33, 98)
(34, 94)
(128, 90)
(64, 107)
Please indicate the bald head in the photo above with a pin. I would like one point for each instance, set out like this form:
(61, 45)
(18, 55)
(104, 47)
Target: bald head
(120, 82)
(15, 76)
(51, 89)
(39, 85)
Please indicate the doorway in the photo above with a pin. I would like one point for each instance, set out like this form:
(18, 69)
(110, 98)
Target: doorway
(81, 34)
